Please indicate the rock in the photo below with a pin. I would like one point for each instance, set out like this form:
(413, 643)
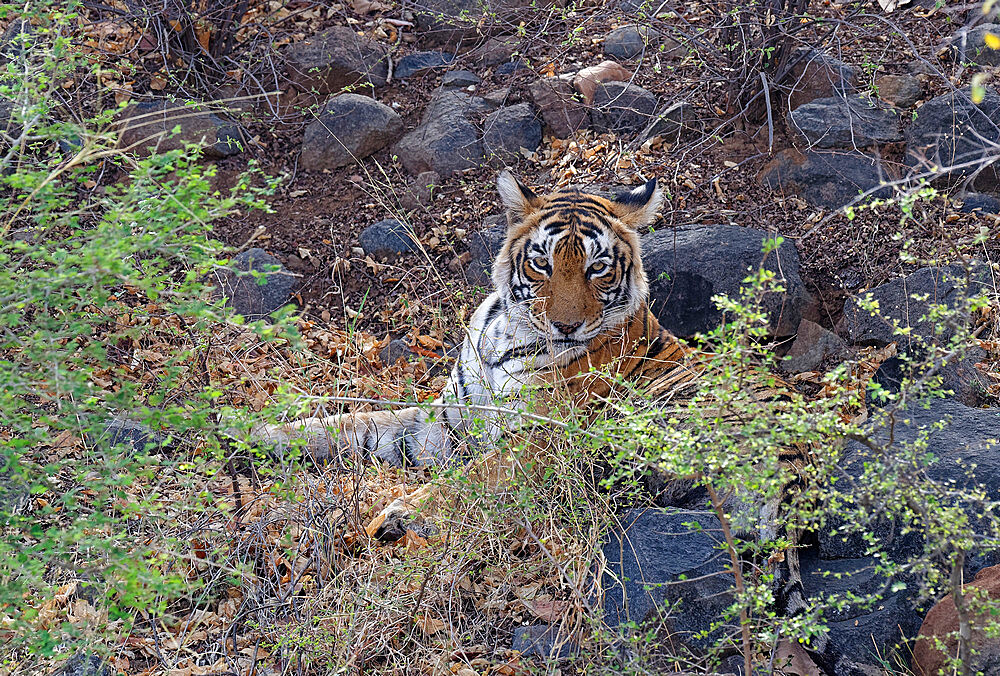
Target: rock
(458, 22)
(460, 78)
(589, 79)
(512, 67)
(15, 493)
(500, 97)
(960, 376)
(243, 291)
(387, 239)
(507, 130)
(559, 109)
(420, 63)
(687, 266)
(622, 108)
(82, 664)
(122, 432)
(857, 631)
(629, 42)
(8, 119)
(901, 91)
(969, 439)
(969, 45)
(950, 129)
(813, 346)
(647, 560)
(150, 124)
(494, 51)
(844, 122)
(446, 141)
(674, 122)
(334, 59)
(977, 202)
(825, 179)
(16, 40)
(940, 285)
(543, 640)
(394, 351)
(420, 190)
(348, 129)
(484, 246)
(817, 75)
(941, 624)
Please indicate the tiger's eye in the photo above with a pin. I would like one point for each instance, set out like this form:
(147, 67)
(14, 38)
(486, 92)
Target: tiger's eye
(597, 268)
(540, 263)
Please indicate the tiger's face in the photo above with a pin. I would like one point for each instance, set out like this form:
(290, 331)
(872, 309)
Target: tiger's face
(571, 263)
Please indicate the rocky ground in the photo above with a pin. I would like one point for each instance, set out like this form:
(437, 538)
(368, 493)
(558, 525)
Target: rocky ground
(390, 122)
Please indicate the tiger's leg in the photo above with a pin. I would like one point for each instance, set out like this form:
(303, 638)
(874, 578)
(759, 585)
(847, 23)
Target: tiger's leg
(406, 437)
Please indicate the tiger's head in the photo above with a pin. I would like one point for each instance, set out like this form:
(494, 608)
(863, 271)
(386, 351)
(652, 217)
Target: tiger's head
(571, 263)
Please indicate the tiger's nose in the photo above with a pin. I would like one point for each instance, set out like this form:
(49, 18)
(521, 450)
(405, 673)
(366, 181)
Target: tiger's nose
(566, 329)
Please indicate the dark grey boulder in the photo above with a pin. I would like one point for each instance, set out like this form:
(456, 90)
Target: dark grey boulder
(950, 130)
(336, 59)
(968, 45)
(622, 108)
(512, 67)
(129, 434)
(244, 291)
(543, 640)
(687, 266)
(814, 74)
(558, 106)
(979, 203)
(844, 122)
(901, 91)
(964, 453)
(446, 141)
(458, 23)
(946, 285)
(15, 493)
(484, 245)
(509, 129)
(678, 120)
(660, 570)
(387, 238)
(149, 126)
(859, 632)
(460, 78)
(829, 179)
(421, 62)
(349, 128)
(960, 376)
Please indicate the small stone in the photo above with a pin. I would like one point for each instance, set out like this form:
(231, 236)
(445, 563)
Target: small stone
(901, 91)
(979, 203)
(128, 433)
(587, 80)
(629, 42)
(562, 113)
(512, 67)
(507, 130)
(460, 78)
(394, 351)
(82, 664)
(622, 108)
(813, 346)
(824, 179)
(349, 128)
(420, 63)
(244, 292)
(494, 51)
(842, 122)
(387, 239)
(676, 121)
(420, 190)
(334, 59)
(149, 125)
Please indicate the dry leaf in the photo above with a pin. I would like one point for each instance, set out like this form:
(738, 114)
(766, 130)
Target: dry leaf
(548, 610)
(430, 625)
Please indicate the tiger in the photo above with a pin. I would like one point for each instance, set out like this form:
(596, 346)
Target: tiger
(569, 315)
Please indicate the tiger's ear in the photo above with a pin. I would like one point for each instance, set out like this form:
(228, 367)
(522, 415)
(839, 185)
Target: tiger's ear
(638, 207)
(516, 196)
